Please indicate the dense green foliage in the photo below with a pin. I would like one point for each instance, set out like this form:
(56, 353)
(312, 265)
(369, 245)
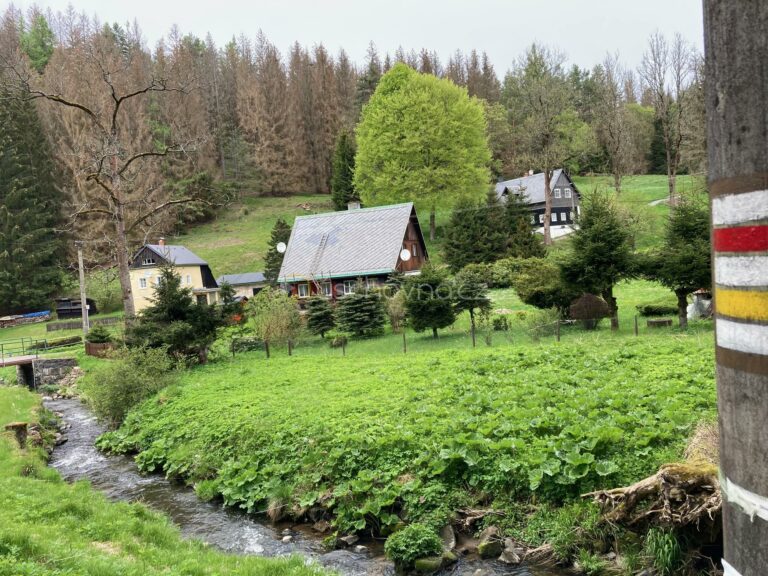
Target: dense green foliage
(521, 241)
(98, 334)
(536, 281)
(415, 440)
(470, 293)
(361, 313)
(281, 232)
(49, 527)
(131, 376)
(412, 542)
(37, 41)
(475, 233)
(421, 139)
(429, 300)
(30, 204)
(656, 309)
(342, 172)
(274, 317)
(320, 316)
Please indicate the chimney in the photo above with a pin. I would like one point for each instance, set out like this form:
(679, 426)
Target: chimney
(353, 205)
(530, 172)
(161, 241)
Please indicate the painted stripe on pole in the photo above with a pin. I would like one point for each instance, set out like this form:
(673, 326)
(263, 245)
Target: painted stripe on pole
(729, 570)
(742, 304)
(752, 504)
(750, 338)
(741, 270)
(740, 208)
(741, 239)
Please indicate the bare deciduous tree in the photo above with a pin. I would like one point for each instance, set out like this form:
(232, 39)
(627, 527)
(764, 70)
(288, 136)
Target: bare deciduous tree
(613, 126)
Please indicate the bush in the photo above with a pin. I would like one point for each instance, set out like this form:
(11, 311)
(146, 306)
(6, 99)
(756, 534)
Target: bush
(320, 318)
(542, 323)
(412, 542)
(589, 309)
(361, 314)
(246, 344)
(133, 375)
(484, 271)
(396, 310)
(98, 335)
(56, 342)
(657, 309)
(500, 324)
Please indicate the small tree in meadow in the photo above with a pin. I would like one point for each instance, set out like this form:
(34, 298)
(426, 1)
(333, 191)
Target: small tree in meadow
(521, 240)
(281, 232)
(428, 300)
(343, 169)
(471, 294)
(320, 317)
(362, 313)
(589, 309)
(274, 317)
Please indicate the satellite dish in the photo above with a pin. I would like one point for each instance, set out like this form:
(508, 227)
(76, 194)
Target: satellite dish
(405, 254)
(281, 247)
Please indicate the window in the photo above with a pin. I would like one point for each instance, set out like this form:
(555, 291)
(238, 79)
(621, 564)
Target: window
(533, 219)
(148, 261)
(189, 279)
(567, 192)
(325, 288)
(557, 193)
(371, 282)
(541, 218)
(349, 286)
(201, 299)
(553, 216)
(303, 290)
(142, 282)
(415, 250)
(157, 280)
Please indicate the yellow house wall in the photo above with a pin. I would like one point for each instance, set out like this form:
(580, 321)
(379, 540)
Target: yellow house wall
(191, 277)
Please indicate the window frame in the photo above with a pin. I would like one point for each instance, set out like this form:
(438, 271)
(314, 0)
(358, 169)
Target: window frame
(299, 290)
(567, 193)
(553, 217)
(142, 283)
(348, 287)
(326, 289)
(557, 193)
(541, 218)
(148, 261)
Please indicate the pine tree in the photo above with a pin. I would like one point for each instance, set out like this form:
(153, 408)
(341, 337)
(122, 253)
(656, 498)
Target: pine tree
(342, 188)
(37, 41)
(657, 155)
(29, 210)
(475, 233)
(320, 317)
(521, 240)
(428, 300)
(369, 79)
(362, 313)
(273, 260)
(471, 294)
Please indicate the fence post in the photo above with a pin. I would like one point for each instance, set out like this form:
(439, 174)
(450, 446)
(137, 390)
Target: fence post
(343, 346)
(405, 346)
(290, 347)
(232, 346)
(266, 347)
(558, 330)
(636, 330)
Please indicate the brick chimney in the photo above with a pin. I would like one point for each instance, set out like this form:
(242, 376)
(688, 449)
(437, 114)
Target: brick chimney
(161, 241)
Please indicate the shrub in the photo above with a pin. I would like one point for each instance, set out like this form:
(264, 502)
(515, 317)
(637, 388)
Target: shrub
(537, 282)
(656, 309)
(56, 342)
(484, 271)
(412, 542)
(98, 335)
(361, 314)
(590, 309)
(320, 317)
(132, 376)
(500, 324)
(396, 310)
(664, 551)
(542, 323)
(338, 341)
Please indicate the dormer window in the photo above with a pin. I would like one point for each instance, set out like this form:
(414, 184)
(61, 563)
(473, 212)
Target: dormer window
(148, 261)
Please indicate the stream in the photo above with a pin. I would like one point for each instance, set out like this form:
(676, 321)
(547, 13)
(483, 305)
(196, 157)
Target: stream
(227, 529)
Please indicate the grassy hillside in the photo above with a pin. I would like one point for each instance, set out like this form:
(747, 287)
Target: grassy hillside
(50, 528)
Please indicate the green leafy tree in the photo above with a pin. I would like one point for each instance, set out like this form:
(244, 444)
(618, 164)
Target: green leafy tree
(362, 313)
(320, 317)
(274, 317)
(37, 41)
(684, 263)
(521, 240)
(429, 302)
(538, 283)
(30, 204)
(601, 254)
(475, 233)
(471, 294)
(281, 232)
(421, 139)
(176, 322)
(342, 186)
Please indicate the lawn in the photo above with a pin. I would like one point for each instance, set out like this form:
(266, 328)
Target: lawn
(51, 528)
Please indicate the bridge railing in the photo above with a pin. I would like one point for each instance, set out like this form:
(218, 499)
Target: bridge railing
(21, 347)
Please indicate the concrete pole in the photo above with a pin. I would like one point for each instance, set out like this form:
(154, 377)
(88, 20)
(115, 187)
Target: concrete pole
(83, 303)
(736, 47)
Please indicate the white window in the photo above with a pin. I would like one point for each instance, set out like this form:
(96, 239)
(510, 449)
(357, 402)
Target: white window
(557, 193)
(303, 290)
(157, 280)
(533, 219)
(372, 282)
(541, 218)
(567, 192)
(189, 279)
(142, 282)
(325, 287)
(554, 216)
(415, 250)
(148, 261)
(349, 286)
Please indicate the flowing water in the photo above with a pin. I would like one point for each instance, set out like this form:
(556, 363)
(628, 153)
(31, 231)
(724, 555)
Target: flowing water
(230, 530)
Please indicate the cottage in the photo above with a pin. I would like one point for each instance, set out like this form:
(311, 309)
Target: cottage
(193, 271)
(565, 196)
(246, 284)
(328, 253)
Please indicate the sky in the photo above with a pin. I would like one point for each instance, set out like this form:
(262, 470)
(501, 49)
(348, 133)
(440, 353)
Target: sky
(585, 30)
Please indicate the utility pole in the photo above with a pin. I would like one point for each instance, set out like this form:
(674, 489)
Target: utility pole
(83, 303)
(736, 45)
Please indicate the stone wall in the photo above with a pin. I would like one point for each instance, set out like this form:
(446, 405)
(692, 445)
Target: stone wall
(44, 371)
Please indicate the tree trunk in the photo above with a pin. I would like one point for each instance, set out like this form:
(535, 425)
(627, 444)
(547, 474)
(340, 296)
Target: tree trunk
(737, 100)
(682, 308)
(612, 307)
(434, 333)
(472, 326)
(671, 178)
(617, 181)
(432, 224)
(123, 264)
(266, 347)
(547, 208)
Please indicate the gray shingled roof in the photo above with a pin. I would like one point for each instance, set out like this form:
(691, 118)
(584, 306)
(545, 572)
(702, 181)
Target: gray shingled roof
(347, 243)
(178, 255)
(534, 186)
(241, 279)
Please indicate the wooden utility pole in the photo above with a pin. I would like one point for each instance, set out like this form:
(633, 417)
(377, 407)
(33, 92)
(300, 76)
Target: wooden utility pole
(83, 302)
(736, 47)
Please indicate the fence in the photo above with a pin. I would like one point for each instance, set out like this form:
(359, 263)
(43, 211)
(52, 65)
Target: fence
(20, 347)
(75, 324)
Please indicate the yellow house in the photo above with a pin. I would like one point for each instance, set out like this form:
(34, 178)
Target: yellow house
(193, 270)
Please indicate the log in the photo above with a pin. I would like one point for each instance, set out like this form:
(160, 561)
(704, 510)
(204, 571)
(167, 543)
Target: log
(659, 322)
(19, 430)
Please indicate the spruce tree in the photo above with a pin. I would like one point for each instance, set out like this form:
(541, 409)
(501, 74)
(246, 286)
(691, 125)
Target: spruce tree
(320, 318)
(362, 313)
(342, 188)
(30, 206)
(471, 294)
(281, 232)
(428, 300)
(657, 155)
(475, 233)
(521, 240)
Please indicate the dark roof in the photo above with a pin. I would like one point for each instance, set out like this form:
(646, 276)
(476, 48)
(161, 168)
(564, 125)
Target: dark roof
(531, 186)
(242, 279)
(347, 243)
(176, 254)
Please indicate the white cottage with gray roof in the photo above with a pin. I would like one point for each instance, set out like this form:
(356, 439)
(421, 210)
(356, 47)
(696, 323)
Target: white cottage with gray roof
(329, 253)
(565, 196)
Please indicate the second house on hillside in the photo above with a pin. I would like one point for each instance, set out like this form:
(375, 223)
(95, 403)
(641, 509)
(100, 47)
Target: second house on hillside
(328, 253)
(194, 272)
(246, 284)
(565, 196)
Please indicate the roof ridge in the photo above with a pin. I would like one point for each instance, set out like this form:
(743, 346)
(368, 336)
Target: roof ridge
(355, 211)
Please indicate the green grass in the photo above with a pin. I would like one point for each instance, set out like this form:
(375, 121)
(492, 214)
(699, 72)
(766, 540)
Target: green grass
(51, 528)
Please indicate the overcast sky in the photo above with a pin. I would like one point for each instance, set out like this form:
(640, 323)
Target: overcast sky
(584, 29)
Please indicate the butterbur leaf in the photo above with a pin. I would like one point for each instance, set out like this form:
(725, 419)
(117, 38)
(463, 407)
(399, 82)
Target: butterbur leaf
(535, 477)
(606, 467)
